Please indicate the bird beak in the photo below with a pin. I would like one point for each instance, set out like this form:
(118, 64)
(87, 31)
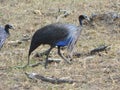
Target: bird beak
(90, 21)
(88, 18)
(13, 28)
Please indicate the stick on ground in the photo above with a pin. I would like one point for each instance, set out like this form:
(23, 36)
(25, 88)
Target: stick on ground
(52, 80)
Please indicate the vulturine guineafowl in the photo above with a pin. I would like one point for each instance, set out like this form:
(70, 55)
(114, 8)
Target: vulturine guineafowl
(4, 33)
(59, 35)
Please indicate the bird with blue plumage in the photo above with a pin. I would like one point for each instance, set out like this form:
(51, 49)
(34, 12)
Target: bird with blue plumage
(57, 34)
(4, 33)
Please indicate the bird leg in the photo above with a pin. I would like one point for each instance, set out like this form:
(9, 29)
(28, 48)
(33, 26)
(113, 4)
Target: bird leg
(47, 52)
(59, 53)
(47, 55)
(46, 62)
(41, 54)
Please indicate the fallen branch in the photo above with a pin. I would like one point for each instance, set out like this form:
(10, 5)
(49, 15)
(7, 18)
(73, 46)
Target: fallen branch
(49, 79)
(99, 49)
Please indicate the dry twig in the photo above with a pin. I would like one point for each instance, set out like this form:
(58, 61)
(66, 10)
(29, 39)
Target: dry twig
(49, 79)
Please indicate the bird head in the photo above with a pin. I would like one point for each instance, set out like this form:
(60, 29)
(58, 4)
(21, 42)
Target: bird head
(9, 26)
(83, 17)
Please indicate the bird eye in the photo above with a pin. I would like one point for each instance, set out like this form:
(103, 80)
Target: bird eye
(85, 16)
(10, 26)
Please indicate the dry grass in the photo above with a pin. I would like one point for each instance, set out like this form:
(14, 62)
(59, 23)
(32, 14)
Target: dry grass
(93, 72)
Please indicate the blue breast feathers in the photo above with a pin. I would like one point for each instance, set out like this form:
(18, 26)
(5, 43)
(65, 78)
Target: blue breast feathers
(72, 29)
(64, 42)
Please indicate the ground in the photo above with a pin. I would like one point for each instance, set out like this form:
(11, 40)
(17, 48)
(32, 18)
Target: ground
(94, 72)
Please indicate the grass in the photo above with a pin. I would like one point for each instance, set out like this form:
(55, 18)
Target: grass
(94, 72)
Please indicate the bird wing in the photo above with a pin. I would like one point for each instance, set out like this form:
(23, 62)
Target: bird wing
(2, 40)
(2, 36)
(51, 34)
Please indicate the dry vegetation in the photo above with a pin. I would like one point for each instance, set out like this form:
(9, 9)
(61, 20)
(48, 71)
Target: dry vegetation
(93, 72)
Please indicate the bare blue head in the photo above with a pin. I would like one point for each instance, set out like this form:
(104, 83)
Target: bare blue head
(7, 27)
(83, 17)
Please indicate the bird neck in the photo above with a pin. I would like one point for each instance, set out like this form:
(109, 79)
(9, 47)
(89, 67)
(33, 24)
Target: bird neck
(81, 22)
(7, 30)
